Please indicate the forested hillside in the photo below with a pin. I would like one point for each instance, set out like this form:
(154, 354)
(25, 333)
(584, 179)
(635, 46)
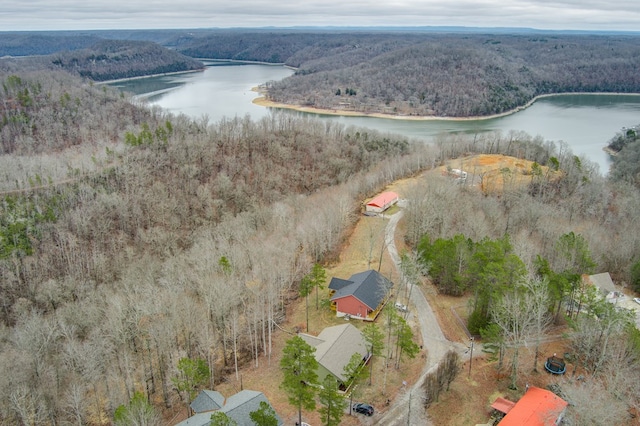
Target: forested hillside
(460, 76)
(625, 147)
(165, 238)
(518, 258)
(42, 43)
(426, 73)
(131, 238)
(28, 43)
(108, 60)
(418, 73)
(51, 111)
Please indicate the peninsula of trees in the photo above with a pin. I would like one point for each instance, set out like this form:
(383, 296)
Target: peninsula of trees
(625, 147)
(427, 74)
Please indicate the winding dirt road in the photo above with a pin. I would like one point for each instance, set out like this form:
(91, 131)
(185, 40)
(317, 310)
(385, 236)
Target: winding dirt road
(408, 409)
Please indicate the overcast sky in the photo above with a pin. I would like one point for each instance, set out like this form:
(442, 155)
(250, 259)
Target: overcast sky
(133, 14)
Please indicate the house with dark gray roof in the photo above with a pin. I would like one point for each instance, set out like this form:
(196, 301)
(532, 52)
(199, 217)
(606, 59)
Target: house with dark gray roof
(362, 296)
(334, 348)
(207, 401)
(237, 407)
(602, 282)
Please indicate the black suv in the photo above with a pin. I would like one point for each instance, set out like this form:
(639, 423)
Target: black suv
(363, 408)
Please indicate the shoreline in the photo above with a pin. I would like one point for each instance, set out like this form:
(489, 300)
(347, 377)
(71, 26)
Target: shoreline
(235, 61)
(264, 102)
(242, 61)
(140, 77)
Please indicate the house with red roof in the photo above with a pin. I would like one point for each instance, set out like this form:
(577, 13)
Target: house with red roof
(537, 407)
(382, 202)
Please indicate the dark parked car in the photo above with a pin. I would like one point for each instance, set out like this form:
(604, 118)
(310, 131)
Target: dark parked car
(363, 408)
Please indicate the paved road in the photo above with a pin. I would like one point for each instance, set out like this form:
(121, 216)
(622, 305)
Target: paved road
(407, 409)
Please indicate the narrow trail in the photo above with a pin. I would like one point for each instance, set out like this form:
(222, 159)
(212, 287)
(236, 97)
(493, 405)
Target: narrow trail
(39, 187)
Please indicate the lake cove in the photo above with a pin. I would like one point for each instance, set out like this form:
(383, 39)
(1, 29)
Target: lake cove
(585, 122)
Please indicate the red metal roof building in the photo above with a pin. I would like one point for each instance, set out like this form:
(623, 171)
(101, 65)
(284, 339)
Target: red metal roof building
(537, 407)
(382, 202)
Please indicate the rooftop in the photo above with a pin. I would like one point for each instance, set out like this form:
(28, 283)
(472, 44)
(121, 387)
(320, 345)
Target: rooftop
(537, 407)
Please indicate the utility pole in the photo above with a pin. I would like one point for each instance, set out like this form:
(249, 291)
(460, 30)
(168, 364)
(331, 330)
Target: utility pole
(409, 413)
(471, 357)
(351, 399)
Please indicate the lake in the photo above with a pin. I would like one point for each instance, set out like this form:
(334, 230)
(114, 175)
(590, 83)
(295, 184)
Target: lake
(223, 89)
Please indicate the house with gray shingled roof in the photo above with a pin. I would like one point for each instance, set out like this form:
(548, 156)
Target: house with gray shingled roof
(334, 348)
(207, 401)
(238, 407)
(602, 282)
(362, 296)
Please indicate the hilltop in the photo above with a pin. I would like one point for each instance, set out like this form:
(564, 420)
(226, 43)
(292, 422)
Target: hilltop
(101, 60)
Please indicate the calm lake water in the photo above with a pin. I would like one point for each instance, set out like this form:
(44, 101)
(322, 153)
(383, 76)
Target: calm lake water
(584, 122)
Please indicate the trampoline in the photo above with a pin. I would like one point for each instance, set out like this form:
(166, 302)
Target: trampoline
(555, 365)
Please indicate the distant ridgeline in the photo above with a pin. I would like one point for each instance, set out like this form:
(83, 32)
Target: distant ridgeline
(408, 73)
(106, 60)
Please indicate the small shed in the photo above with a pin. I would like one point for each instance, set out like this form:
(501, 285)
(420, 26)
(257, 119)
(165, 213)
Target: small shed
(382, 202)
(502, 405)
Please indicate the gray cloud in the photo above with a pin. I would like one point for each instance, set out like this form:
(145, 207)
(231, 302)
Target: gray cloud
(101, 14)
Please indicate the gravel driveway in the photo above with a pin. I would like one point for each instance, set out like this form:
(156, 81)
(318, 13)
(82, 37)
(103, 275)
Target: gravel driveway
(408, 409)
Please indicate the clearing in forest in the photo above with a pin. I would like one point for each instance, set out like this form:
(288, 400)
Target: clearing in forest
(494, 173)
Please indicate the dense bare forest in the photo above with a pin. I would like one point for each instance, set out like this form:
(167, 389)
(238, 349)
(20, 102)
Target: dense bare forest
(102, 60)
(430, 74)
(132, 238)
(29, 43)
(112, 272)
(423, 73)
(625, 146)
(460, 76)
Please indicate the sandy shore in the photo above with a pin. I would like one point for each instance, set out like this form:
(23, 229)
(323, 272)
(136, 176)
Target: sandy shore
(140, 77)
(263, 101)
